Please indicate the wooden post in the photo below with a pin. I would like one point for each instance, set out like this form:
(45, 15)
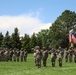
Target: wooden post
(72, 44)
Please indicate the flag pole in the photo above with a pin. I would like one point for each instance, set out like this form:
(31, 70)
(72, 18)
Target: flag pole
(72, 44)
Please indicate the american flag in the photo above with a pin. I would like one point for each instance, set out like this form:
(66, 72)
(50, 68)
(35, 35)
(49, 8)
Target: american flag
(72, 38)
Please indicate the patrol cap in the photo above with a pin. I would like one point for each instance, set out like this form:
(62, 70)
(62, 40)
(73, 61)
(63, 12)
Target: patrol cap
(21, 48)
(37, 47)
(43, 48)
(14, 48)
(17, 49)
(59, 47)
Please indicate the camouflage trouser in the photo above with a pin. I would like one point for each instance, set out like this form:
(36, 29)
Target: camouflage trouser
(17, 58)
(44, 62)
(6, 58)
(66, 58)
(60, 62)
(75, 58)
(25, 58)
(21, 58)
(70, 58)
(10, 58)
(62, 56)
(14, 58)
(38, 62)
(2, 58)
(53, 62)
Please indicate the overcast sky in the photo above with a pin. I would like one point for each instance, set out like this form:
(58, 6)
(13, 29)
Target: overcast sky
(31, 15)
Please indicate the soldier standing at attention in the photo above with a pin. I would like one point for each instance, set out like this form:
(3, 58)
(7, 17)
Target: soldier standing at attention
(60, 58)
(21, 54)
(44, 56)
(70, 54)
(18, 54)
(25, 55)
(38, 56)
(62, 52)
(66, 55)
(75, 55)
(53, 56)
(6, 55)
(14, 54)
(11, 54)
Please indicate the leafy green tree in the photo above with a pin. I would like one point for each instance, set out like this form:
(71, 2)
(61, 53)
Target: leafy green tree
(26, 42)
(60, 29)
(33, 41)
(6, 43)
(43, 38)
(1, 38)
(16, 43)
(39, 39)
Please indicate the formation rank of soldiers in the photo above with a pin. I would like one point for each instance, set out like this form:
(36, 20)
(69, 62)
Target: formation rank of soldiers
(59, 54)
(13, 55)
(39, 55)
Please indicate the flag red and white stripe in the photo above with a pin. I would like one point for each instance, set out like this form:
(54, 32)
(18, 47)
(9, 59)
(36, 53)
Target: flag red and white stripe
(72, 38)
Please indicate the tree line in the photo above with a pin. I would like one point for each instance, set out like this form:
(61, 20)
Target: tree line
(57, 35)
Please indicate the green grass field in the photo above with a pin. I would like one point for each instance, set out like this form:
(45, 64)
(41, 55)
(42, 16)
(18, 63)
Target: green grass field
(28, 68)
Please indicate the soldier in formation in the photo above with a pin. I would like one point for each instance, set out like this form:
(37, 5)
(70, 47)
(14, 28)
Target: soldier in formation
(17, 55)
(25, 55)
(53, 56)
(60, 54)
(37, 56)
(74, 52)
(66, 55)
(21, 54)
(60, 58)
(44, 56)
(12, 54)
(70, 54)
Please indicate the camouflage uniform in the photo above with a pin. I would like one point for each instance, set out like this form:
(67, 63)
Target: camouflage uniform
(21, 54)
(18, 55)
(6, 55)
(66, 55)
(62, 52)
(1, 54)
(44, 56)
(14, 54)
(25, 55)
(38, 56)
(70, 55)
(75, 55)
(60, 58)
(53, 57)
(11, 55)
